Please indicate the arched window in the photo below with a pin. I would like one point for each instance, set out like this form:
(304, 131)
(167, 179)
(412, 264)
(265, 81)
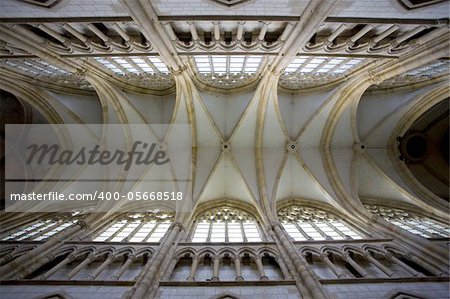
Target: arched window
(43, 229)
(418, 225)
(226, 224)
(136, 227)
(304, 223)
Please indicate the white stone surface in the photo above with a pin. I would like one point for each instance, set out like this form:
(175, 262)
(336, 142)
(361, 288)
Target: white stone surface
(67, 8)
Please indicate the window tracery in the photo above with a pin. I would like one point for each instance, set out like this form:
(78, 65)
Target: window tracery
(310, 71)
(39, 68)
(136, 227)
(43, 229)
(227, 71)
(415, 224)
(304, 223)
(226, 224)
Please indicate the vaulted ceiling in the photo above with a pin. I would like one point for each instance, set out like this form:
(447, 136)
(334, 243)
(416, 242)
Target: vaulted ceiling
(286, 100)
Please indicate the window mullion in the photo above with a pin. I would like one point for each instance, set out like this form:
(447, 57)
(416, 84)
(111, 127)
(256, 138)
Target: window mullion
(336, 229)
(302, 231)
(208, 239)
(48, 229)
(151, 232)
(211, 64)
(131, 235)
(318, 229)
(117, 231)
(433, 227)
(300, 67)
(244, 64)
(244, 237)
(415, 227)
(24, 232)
(226, 231)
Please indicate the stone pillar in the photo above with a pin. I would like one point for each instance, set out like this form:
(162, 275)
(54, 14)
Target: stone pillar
(259, 264)
(102, 267)
(237, 267)
(216, 265)
(313, 289)
(390, 256)
(36, 265)
(379, 265)
(151, 272)
(283, 268)
(430, 268)
(68, 259)
(23, 262)
(170, 269)
(80, 266)
(194, 265)
(119, 273)
(329, 263)
(346, 257)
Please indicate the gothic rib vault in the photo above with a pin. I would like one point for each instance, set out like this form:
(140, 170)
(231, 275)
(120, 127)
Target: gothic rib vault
(287, 109)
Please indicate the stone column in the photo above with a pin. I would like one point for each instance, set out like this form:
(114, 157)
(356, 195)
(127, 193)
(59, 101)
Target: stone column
(313, 289)
(390, 256)
(379, 265)
(102, 267)
(283, 268)
(346, 257)
(194, 265)
(259, 264)
(36, 265)
(151, 271)
(237, 267)
(80, 266)
(329, 263)
(23, 262)
(119, 273)
(430, 268)
(170, 269)
(68, 259)
(216, 265)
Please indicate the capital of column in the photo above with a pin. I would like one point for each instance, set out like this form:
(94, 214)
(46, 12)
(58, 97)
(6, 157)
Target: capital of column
(82, 223)
(274, 225)
(375, 77)
(71, 257)
(50, 256)
(91, 257)
(179, 225)
(324, 255)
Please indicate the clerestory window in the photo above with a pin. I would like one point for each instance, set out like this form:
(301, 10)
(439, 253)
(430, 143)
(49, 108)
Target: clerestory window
(43, 229)
(418, 225)
(305, 223)
(136, 227)
(226, 224)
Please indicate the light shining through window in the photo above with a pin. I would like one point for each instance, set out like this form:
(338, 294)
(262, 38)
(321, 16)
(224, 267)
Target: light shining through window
(43, 229)
(317, 65)
(34, 67)
(134, 65)
(137, 227)
(303, 223)
(225, 224)
(222, 64)
(422, 226)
